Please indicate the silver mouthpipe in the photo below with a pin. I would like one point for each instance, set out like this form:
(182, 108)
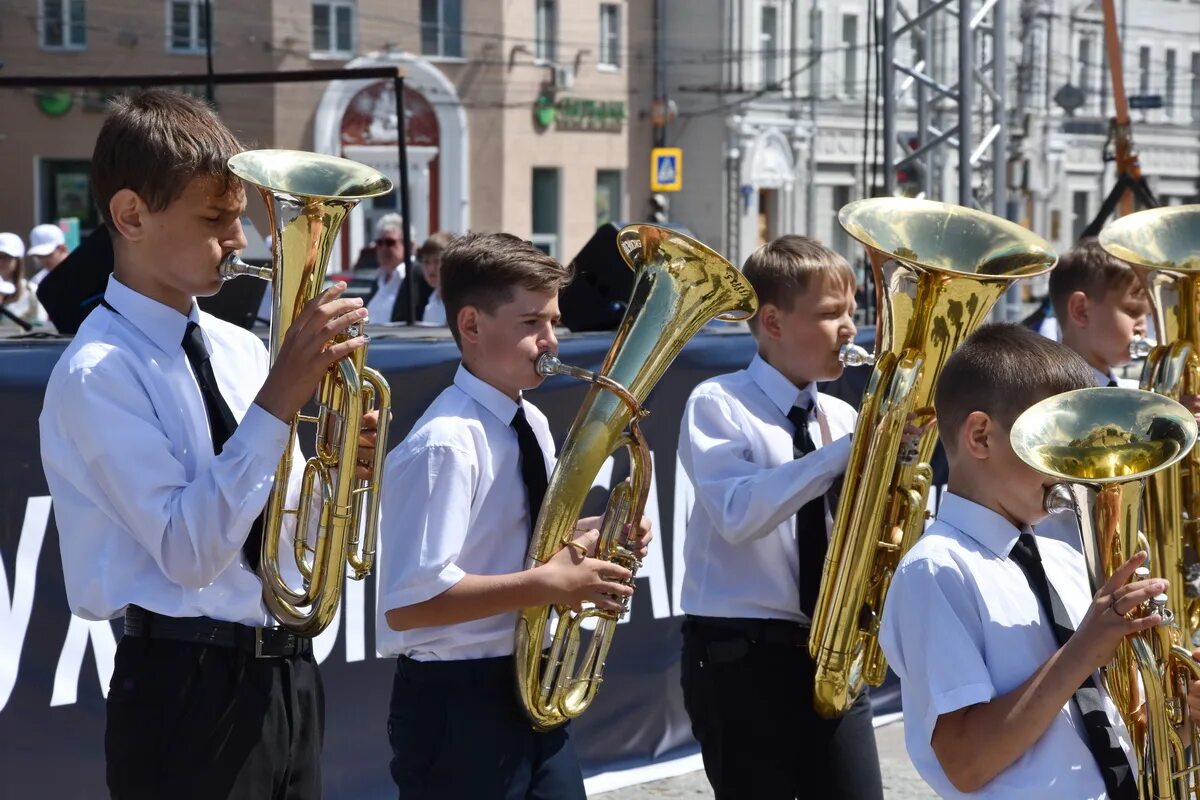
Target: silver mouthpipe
(1139, 348)
(232, 266)
(851, 355)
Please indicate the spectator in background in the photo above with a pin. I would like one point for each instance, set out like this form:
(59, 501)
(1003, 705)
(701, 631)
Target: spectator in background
(429, 256)
(389, 297)
(20, 302)
(48, 247)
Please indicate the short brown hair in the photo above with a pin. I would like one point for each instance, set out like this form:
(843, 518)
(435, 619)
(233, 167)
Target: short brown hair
(1002, 369)
(155, 142)
(435, 245)
(1089, 268)
(781, 270)
(482, 269)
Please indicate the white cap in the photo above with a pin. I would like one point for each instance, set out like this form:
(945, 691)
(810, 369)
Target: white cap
(44, 239)
(11, 244)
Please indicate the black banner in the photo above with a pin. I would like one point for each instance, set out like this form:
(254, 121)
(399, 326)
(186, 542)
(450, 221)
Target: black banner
(54, 667)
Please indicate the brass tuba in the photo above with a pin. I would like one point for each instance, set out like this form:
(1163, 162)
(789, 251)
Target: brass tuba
(938, 270)
(1163, 247)
(680, 286)
(1111, 440)
(308, 196)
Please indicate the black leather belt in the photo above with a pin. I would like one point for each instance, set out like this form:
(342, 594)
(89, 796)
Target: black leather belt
(262, 642)
(759, 631)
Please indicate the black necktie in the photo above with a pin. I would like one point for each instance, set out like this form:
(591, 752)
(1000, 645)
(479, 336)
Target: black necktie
(533, 466)
(811, 537)
(1112, 382)
(1119, 780)
(221, 422)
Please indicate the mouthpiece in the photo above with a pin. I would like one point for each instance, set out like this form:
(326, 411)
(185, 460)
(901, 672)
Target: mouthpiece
(851, 355)
(1139, 348)
(232, 266)
(1058, 499)
(548, 365)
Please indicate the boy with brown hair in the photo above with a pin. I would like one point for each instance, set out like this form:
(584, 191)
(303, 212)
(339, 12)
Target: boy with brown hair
(161, 432)
(429, 256)
(763, 450)
(463, 493)
(1101, 308)
(1001, 693)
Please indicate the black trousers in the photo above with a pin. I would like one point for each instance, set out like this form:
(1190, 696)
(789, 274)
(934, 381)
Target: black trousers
(199, 721)
(751, 709)
(459, 733)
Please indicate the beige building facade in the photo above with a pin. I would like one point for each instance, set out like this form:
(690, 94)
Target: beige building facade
(529, 117)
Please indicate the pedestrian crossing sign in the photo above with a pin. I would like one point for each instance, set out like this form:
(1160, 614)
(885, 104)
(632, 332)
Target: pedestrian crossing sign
(666, 169)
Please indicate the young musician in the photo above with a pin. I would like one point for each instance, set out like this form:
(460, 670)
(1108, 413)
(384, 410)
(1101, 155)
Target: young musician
(462, 493)
(764, 450)
(1001, 700)
(1101, 307)
(161, 432)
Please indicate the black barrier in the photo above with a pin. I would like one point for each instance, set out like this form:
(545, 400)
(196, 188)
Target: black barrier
(52, 665)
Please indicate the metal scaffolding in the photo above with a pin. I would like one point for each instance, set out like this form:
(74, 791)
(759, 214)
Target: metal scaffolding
(957, 104)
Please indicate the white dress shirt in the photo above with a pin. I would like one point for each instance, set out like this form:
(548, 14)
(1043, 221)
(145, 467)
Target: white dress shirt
(387, 288)
(1103, 379)
(961, 626)
(455, 505)
(146, 513)
(736, 445)
(435, 311)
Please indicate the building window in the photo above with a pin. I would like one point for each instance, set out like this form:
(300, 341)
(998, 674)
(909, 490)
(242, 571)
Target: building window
(545, 46)
(1195, 87)
(609, 196)
(65, 191)
(64, 24)
(441, 28)
(610, 35)
(1084, 76)
(1169, 90)
(768, 39)
(333, 27)
(1079, 214)
(1143, 70)
(186, 26)
(545, 210)
(850, 55)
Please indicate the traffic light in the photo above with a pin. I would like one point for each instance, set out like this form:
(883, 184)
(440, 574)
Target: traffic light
(660, 208)
(910, 176)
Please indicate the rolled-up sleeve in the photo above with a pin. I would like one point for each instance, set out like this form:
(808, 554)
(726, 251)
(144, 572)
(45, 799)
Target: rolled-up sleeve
(424, 522)
(932, 635)
(743, 499)
(102, 422)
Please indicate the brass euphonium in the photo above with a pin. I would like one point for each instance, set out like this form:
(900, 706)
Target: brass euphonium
(938, 270)
(1111, 440)
(680, 286)
(308, 196)
(1163, 247)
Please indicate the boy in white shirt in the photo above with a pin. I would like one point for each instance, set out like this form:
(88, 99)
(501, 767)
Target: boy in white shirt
(995, 704)
(463, 493)
(429, 256)
(763, 465)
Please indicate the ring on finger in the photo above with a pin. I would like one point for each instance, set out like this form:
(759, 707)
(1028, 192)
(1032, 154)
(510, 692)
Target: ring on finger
(1112, 604)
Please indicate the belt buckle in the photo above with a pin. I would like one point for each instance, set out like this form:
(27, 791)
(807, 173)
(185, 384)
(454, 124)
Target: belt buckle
(258, 643)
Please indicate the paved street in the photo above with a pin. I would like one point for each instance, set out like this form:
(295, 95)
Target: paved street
(900, 780)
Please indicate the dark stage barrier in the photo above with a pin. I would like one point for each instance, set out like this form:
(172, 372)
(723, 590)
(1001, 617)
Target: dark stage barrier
(54, 668)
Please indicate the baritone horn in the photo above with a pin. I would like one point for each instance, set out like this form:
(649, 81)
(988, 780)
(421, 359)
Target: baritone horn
(938, 270)
(308, 197)
(680, 286)
(1111, 440)
(1163, 247)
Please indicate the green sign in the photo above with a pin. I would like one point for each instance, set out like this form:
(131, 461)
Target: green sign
(579, 113)
(54, 102)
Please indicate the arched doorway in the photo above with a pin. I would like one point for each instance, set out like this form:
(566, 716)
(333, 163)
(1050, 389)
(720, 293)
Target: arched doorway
(357, 120)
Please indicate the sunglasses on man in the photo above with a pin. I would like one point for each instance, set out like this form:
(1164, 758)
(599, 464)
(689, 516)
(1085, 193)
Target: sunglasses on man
(387, 242)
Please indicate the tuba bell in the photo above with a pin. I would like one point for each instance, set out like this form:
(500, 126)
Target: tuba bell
(1111, 440)
(938, 270)
(1163, 247)
(308, 196)
(680, 286)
